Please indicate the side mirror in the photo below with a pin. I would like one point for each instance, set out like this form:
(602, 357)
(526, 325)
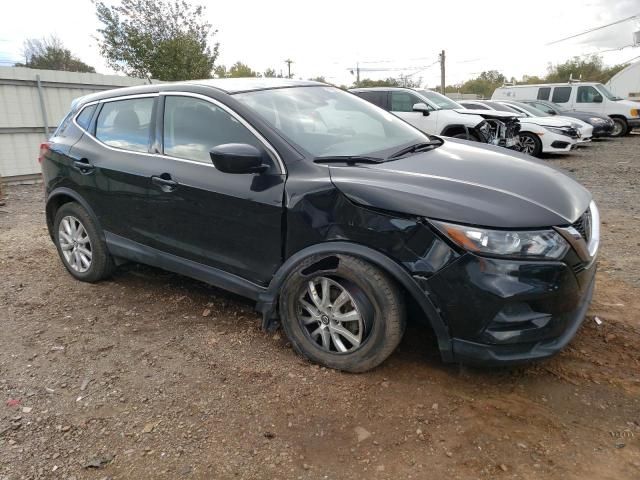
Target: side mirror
(421, 107)
(597, 98)
(238, 158)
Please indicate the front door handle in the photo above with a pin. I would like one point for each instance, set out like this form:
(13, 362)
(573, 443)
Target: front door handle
(165, 182)
(83, 166)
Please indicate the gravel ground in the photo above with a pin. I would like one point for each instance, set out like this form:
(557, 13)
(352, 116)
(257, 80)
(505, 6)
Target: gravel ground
(153, 375)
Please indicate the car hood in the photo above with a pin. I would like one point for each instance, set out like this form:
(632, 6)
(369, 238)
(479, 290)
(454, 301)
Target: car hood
(548, 121)
(467, 183)
(489, 113)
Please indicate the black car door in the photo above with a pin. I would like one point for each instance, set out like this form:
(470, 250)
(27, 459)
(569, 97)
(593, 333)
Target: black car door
(229, 221)
(112, 165)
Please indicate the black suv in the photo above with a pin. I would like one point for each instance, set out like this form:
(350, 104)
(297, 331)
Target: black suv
(332, 214)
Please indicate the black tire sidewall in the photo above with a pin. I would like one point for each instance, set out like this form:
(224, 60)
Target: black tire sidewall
(624, 127)
(538, 149)
(101, 261)
(387, 315)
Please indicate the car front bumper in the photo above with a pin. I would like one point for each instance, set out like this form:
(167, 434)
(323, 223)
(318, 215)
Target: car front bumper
(633, 122)
(502, 312)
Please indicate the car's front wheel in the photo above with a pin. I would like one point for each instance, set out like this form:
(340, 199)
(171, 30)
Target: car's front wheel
(349, 317)
(530, 144)
(82, 250)
(620, 127)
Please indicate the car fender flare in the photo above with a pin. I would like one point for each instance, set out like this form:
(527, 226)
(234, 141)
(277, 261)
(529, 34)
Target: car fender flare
(268, 300)
(68, 192)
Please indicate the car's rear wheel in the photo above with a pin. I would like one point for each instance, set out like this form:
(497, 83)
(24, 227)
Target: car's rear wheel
(529, 143)
(349, 317)
(82, 250)
(619, 127)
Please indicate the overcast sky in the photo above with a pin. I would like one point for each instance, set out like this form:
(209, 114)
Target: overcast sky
(329, 37)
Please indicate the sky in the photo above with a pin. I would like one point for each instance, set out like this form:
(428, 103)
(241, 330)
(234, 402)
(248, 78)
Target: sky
(330, 38)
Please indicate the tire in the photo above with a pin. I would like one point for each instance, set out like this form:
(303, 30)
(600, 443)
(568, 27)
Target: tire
(619, 127)
(372, 295)
(471, 137)
(86, 243)
(530, 144)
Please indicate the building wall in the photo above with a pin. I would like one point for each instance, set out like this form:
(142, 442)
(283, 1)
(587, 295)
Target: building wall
(22, 123)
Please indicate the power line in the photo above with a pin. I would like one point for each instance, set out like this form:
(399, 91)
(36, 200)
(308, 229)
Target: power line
(595, 29)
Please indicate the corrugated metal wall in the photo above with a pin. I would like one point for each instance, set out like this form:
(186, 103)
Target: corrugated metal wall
(22, 123)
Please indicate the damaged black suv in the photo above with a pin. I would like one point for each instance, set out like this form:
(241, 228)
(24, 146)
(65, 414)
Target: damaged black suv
(329, 212)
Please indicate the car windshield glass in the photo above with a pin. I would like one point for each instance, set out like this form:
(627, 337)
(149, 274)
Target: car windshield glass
(532, 110)
(441, 101)
(605, 91)
(326, 121)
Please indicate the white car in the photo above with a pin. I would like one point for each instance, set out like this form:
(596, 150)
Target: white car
(538, 135)
(584, 129)
(579, 96)
(436, 114)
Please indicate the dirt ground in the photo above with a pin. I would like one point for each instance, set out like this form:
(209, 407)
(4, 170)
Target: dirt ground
(153, 375)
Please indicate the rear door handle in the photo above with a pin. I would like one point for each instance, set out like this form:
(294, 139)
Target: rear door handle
(83, 166)
(165, 182)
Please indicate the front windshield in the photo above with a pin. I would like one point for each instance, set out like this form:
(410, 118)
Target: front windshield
(326, 121)
(532, 110)
(441, 101)
(605, 91)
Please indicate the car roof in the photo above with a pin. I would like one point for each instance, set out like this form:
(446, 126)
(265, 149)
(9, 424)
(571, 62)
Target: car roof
(560, 84)
(381, 89)
(223, 85)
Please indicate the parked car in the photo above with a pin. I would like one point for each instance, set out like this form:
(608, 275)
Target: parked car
(436, 114)
(585, 130)
(330, 213)
(537, 136)
(602, 125)
(579, 96)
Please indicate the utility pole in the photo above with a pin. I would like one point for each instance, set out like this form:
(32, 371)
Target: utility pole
(357, 74)
(288, 61)
(442, 82)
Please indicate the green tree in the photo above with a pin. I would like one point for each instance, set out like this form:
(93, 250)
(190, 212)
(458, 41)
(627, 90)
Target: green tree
(163, 39)
(237, 70)
(319, 79)
(50, 54)
(590, 68)
(387, 82)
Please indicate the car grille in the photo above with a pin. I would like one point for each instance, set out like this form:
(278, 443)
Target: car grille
(583, 225)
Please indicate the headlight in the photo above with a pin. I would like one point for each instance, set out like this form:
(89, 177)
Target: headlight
(596, 120)
(541, 244)
(635, 112)
(557, 130)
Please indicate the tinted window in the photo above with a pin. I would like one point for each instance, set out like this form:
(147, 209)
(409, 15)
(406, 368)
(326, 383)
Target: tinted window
(588, 94)
(561, 94)
(377, 98)
(125, 124)
(84, 119)
(66, 121)
(502, 108)
(192, 127)
(403, 101)
(543, 93)
(542, 106)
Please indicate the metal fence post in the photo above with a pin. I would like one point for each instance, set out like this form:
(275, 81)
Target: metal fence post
(43, 108)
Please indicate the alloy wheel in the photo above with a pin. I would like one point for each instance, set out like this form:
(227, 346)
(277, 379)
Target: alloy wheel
(618, 128)
(75, 244)
(527, 145)
(328, 313)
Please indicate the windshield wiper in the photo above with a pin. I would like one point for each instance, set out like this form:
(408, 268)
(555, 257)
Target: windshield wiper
(348, 159)
(417, 147)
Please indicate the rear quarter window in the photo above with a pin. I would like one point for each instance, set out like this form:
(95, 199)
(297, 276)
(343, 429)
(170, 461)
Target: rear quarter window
(85, 116)
(543, 93)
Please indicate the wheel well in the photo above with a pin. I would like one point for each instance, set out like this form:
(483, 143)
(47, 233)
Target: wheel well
(621, 117)
(452, 130)
(53, 205)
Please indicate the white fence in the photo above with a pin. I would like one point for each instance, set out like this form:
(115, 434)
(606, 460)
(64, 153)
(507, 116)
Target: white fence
(32, 103)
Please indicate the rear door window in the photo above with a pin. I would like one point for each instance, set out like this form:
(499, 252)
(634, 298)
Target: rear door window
(376, 97)
(561, 94)
(125, 123)
(543, 93)
(403, 101)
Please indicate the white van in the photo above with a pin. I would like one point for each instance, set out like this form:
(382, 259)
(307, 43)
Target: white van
(579, 96)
